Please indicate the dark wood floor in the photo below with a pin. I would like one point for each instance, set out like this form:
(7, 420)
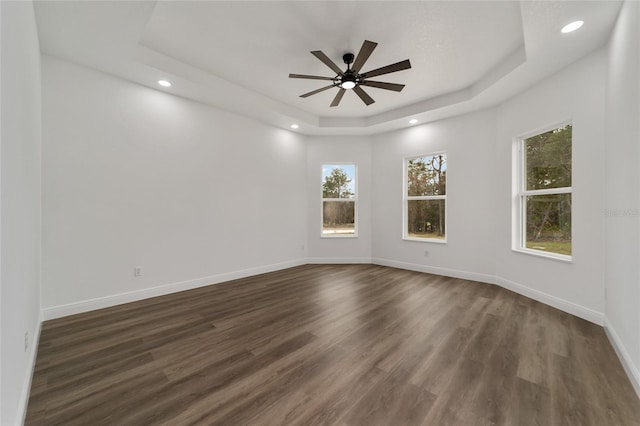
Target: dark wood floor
(331, 344)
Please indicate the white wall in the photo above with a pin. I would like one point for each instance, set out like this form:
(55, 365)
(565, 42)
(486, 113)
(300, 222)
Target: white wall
(622, 214)
(576, 93)
(20, 241)
(331, 150)
(136, 177)
(468, 142)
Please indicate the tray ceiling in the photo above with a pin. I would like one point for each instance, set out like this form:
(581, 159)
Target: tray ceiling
(237, 55)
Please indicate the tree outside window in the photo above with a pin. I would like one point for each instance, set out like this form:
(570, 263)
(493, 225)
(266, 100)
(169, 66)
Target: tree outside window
(339, 200)
(425, 199)
(545, 192)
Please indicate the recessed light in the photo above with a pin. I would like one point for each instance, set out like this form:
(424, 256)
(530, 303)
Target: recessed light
(571, 27)
(413, 121)
(294, 126)
(164, 83)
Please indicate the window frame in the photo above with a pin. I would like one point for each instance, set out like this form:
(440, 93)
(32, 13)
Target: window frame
(406, 198)
(519, 239)
(354, 200)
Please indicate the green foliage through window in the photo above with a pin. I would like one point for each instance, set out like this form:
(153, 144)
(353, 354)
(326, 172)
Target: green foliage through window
(338, 217)
(427, 176)
(338, 200)
(337, 185)
(425, 199)
(548, 159)
(426, 218)
(546, 193)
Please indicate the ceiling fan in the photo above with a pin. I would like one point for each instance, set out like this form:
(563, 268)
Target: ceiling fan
(351, 78)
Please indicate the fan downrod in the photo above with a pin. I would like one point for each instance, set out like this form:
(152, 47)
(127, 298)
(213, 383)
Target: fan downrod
(349, 78)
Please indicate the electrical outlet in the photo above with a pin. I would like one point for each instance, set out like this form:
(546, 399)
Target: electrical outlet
(426, 253)
(26, 340)
(137, 271)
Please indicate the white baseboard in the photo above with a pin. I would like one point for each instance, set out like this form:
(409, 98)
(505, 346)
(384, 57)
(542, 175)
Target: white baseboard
(626, 360)
(23, 402)
(337, 260)
(564, 305)
(117, 299)
(483, 278)
(548, 299)
(133, 296)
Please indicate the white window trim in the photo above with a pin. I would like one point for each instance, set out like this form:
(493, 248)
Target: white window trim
(520, 193)
(354, 200)
(406, 198)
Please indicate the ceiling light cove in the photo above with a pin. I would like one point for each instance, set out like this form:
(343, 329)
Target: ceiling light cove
(164, 83)
(569, 28)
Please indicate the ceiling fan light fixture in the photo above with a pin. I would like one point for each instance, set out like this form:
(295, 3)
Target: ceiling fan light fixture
(348, 84)
(349, 79)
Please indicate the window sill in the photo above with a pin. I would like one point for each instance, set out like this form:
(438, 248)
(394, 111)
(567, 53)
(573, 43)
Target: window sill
(425, 240)
(552, 256)
(339, 236)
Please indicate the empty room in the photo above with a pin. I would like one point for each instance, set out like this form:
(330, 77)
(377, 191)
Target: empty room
(320, 212)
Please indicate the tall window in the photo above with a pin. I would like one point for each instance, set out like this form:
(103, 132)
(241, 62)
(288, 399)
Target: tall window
(339, 200)
(544, 198)
(425, 198)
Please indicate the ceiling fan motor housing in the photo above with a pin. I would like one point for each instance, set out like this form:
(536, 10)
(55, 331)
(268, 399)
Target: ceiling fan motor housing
(348, 58)
(350, 78)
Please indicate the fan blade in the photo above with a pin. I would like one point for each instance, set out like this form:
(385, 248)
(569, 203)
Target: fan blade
(322, 89)
(328, 62)
(338, 97)
(310, 77)
(382, 85)
(398, 66)
(363, 55)
(363, 95)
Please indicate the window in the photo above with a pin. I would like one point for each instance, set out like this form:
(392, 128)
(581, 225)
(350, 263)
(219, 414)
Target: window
(544, 195)
(339, 200)
(425, 198)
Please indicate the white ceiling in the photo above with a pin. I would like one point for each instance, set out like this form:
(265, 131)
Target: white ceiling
(237, 55)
